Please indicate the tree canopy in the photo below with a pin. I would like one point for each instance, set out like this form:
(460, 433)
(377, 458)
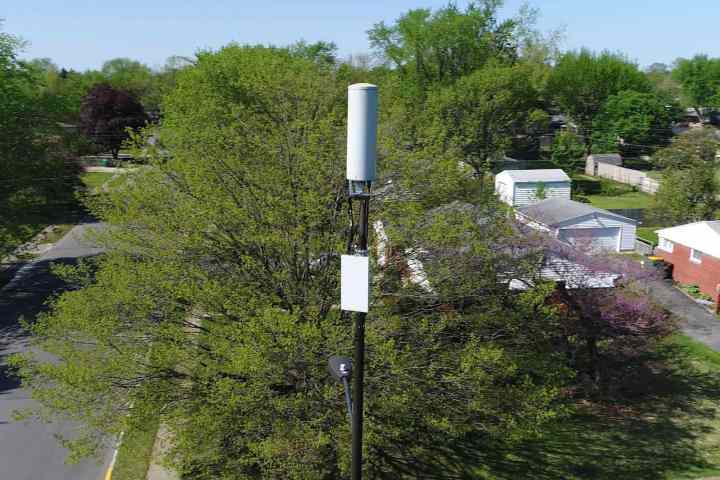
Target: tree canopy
(689, 189)
(438, 47)
(478, 117)
(699, 78)
(34, 167)
(583, 81)
(567, 150)
(106, 114)
(632, 122)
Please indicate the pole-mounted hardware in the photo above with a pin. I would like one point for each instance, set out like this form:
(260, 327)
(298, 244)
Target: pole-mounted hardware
(341, 370)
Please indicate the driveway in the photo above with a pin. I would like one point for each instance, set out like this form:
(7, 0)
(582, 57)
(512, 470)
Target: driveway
(28, 451)
(695, 321)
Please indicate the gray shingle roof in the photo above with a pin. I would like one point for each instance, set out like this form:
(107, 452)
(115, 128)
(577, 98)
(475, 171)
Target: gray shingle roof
(606, 157)
(542, 175)
(558, 210)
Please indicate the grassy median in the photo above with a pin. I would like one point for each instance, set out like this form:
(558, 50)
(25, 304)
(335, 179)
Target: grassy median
(133, 458)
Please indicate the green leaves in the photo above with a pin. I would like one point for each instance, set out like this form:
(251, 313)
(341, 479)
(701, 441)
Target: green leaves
(432, 49)
(581, 83)
(700, 80)
(477, 118)
(633, 122)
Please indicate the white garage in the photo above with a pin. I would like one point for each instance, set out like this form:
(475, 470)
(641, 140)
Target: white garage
(603, 239)
(581, 225)
(518, 188)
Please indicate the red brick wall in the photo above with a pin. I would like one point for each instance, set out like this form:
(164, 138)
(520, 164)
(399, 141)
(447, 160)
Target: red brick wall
(705, 275)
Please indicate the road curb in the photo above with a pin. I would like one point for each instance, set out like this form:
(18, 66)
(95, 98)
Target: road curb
(109, 472)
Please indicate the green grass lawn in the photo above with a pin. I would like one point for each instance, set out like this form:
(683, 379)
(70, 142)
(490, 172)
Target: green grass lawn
(135, 451)
(624, 200)
(93, 180)
(654, 174)
(648, 234)
(661, 423)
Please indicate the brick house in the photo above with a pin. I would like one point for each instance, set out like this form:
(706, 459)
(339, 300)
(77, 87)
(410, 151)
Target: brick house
(694, 251)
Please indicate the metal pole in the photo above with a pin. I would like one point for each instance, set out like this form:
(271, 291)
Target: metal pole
(357, 416)
(359, 360)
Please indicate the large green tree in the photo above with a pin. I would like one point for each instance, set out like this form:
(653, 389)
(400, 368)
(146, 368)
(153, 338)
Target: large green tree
(582, 81)
(633, 122)
(215, 306)
(438, 47)
(661, 77)
(700, 80)
(687, 195)
(477, 118)
(689, 189)
(568, 151)
(34, 171)
(696, 146)
(129, 75)
(427, 51)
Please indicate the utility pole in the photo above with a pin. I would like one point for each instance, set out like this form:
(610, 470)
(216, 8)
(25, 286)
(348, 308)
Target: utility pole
(355, 275)
(359, 357)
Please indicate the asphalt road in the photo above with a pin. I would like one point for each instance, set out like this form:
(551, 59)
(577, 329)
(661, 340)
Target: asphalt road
(28, 450)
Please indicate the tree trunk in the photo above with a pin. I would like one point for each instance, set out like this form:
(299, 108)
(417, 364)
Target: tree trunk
(699, 114)
(594, 360)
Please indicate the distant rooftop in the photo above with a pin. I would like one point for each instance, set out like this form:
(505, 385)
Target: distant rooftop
(557, 210)
(541, 175)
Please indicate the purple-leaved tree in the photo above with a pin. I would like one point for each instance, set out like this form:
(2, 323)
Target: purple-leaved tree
(106, 114)
(606, 318)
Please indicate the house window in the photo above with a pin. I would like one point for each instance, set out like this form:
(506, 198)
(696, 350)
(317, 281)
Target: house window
(666, 245)
(695, 256)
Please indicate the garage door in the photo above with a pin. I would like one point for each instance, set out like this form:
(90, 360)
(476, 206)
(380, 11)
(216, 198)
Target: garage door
(594, 239)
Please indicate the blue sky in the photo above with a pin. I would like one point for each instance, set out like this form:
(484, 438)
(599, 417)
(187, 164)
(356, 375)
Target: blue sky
(81, 34)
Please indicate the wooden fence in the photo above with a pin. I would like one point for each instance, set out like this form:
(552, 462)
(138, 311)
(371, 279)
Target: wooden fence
(628, 176)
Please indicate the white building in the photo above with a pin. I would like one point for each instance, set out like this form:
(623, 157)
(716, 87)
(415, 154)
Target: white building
(518, 188)
(581, 225)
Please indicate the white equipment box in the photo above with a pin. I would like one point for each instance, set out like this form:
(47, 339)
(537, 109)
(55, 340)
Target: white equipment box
(354, 283)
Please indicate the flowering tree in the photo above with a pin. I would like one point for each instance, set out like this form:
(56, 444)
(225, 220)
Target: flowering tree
(604, 316)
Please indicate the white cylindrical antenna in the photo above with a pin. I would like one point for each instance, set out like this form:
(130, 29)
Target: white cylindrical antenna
(362, 132)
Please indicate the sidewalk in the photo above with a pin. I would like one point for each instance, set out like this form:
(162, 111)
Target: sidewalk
(157, 471)
(695, 321)
(163, 441)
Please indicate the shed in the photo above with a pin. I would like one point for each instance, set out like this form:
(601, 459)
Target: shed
(581, 224)
(518, 188)
(592, 161)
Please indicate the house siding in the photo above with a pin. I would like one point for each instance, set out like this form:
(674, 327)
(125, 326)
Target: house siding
(504, 189)
(525, 193)
(627, 229)
(705, 275)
